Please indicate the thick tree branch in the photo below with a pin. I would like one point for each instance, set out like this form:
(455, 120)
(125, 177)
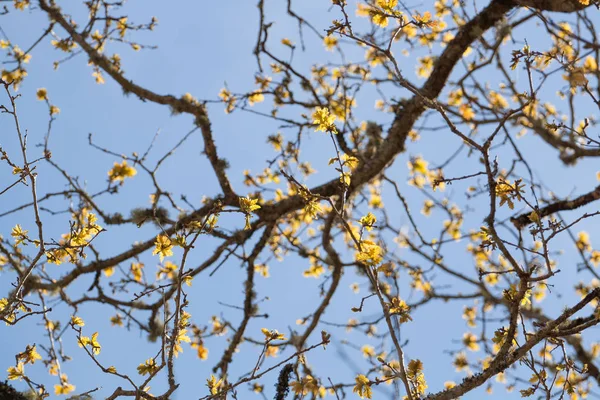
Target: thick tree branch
(523, 220)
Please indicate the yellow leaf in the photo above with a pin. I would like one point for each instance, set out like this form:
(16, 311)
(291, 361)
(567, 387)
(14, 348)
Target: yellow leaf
(534, 217)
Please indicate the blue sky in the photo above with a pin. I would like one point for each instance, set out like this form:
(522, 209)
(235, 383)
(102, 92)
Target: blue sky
(200, 49)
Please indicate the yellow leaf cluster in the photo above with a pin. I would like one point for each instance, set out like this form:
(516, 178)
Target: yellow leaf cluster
(324, 120)
(362, 387)
(369, 253)
(119, 172)
(163, 247)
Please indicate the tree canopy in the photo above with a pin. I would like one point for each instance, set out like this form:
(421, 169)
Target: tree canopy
(317, 199)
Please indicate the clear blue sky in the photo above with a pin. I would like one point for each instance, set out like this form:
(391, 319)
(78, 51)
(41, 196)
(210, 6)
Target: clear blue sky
(202, 46)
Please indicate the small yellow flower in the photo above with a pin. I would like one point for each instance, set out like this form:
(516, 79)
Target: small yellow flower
(312, 208)
(306, 385)
(168, 270)
(425, 66)
(418, 165)
(367, 351)
(324, 120)
(414, 373)
(427, 207)
(229, 99)
(368, 221)
(362, 387)
(163, 247)
(42, 94)
(461, 362)
(121, 171)
(370, 253)
(136, 271)
(271, 351)
(66, 45)
(576, 77)
(149, 367)
(595, 258)
(17, 372)
(19, 234)
(30, 355)
(122, 26)
(583, 241)
(346, 179)
(272, 335)
(53, 369)
(330, 42)
(314, 271)
(470, 341)
(116, 320)
(255, 97)
(425, 20)
(497, 101)
(257, 388)
(65, 387)
(181, 337)
(99, 78)
(400, 308)
(202, 351)
(20, 55)
(262, 269)
(247, 205)
(469, 314)
(93, 342)
(214, 385)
